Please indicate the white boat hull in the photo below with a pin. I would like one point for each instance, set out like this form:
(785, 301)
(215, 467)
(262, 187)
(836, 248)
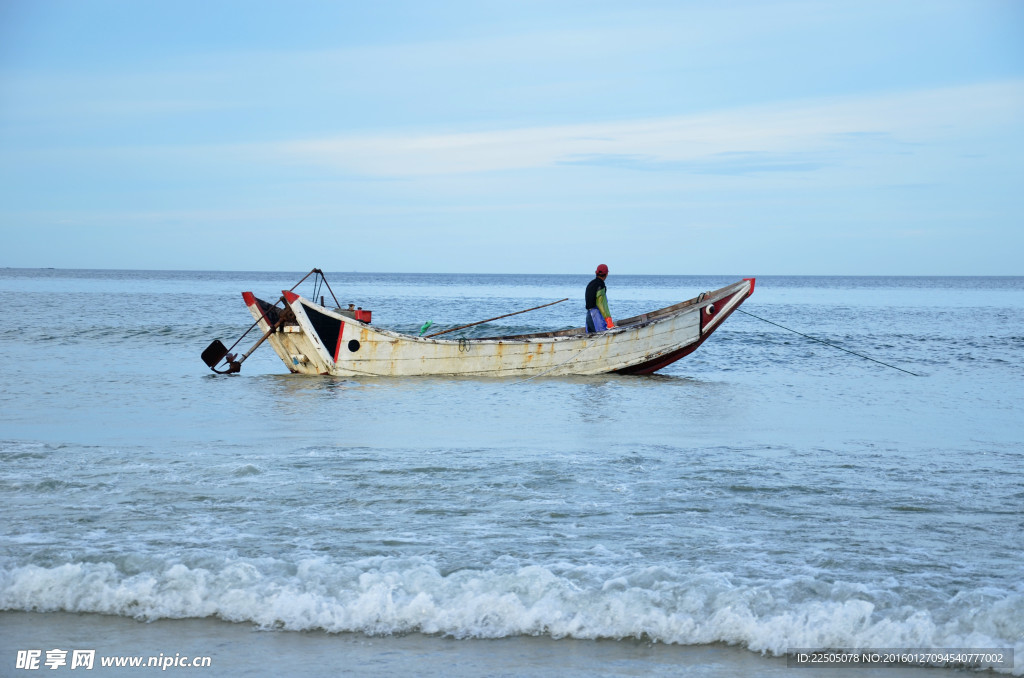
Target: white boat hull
(321, 341)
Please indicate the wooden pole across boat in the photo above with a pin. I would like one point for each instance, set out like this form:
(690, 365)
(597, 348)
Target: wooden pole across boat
(481, 322)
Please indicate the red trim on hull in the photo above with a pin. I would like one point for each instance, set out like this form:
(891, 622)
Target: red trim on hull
(707, 316)
(656, 364)
(290, 296)
(250, 300)
(337, 347)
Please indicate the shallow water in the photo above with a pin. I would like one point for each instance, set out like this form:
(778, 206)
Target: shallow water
(767, 492)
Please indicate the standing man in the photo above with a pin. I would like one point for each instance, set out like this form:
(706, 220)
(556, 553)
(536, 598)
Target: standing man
(599, 318)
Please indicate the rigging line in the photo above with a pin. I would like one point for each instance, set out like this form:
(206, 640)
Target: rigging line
(328, 286)
(859, 355)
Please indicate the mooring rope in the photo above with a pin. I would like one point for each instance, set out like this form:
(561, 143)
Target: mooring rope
(859, 355)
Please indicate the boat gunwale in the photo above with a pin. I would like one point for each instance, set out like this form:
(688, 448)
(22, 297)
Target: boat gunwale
(634, 322)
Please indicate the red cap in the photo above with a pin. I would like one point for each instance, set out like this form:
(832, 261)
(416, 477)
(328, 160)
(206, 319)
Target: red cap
(601, 270)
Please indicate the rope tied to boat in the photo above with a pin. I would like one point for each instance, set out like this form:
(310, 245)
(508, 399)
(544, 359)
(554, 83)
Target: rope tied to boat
(806, 336)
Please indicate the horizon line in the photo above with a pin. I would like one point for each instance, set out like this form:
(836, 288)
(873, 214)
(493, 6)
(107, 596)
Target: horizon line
(492, 273)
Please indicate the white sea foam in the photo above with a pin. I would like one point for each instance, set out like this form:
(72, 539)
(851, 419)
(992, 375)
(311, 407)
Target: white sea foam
(400, 595)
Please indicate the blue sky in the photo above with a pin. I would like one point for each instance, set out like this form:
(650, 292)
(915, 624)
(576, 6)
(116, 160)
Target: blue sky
(770, 137)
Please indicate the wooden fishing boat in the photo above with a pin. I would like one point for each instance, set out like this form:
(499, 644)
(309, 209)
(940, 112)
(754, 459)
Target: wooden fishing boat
(313, 339)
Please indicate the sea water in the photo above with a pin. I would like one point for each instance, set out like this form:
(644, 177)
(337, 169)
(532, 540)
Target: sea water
(765, 494)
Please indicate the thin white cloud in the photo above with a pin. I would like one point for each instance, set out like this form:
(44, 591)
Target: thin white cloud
(761, 132)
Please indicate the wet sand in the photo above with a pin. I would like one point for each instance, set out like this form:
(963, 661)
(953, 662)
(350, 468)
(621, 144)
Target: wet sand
(241, 649)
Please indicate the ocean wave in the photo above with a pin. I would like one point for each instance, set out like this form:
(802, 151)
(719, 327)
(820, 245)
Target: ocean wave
(384, 595)
(154, 334)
